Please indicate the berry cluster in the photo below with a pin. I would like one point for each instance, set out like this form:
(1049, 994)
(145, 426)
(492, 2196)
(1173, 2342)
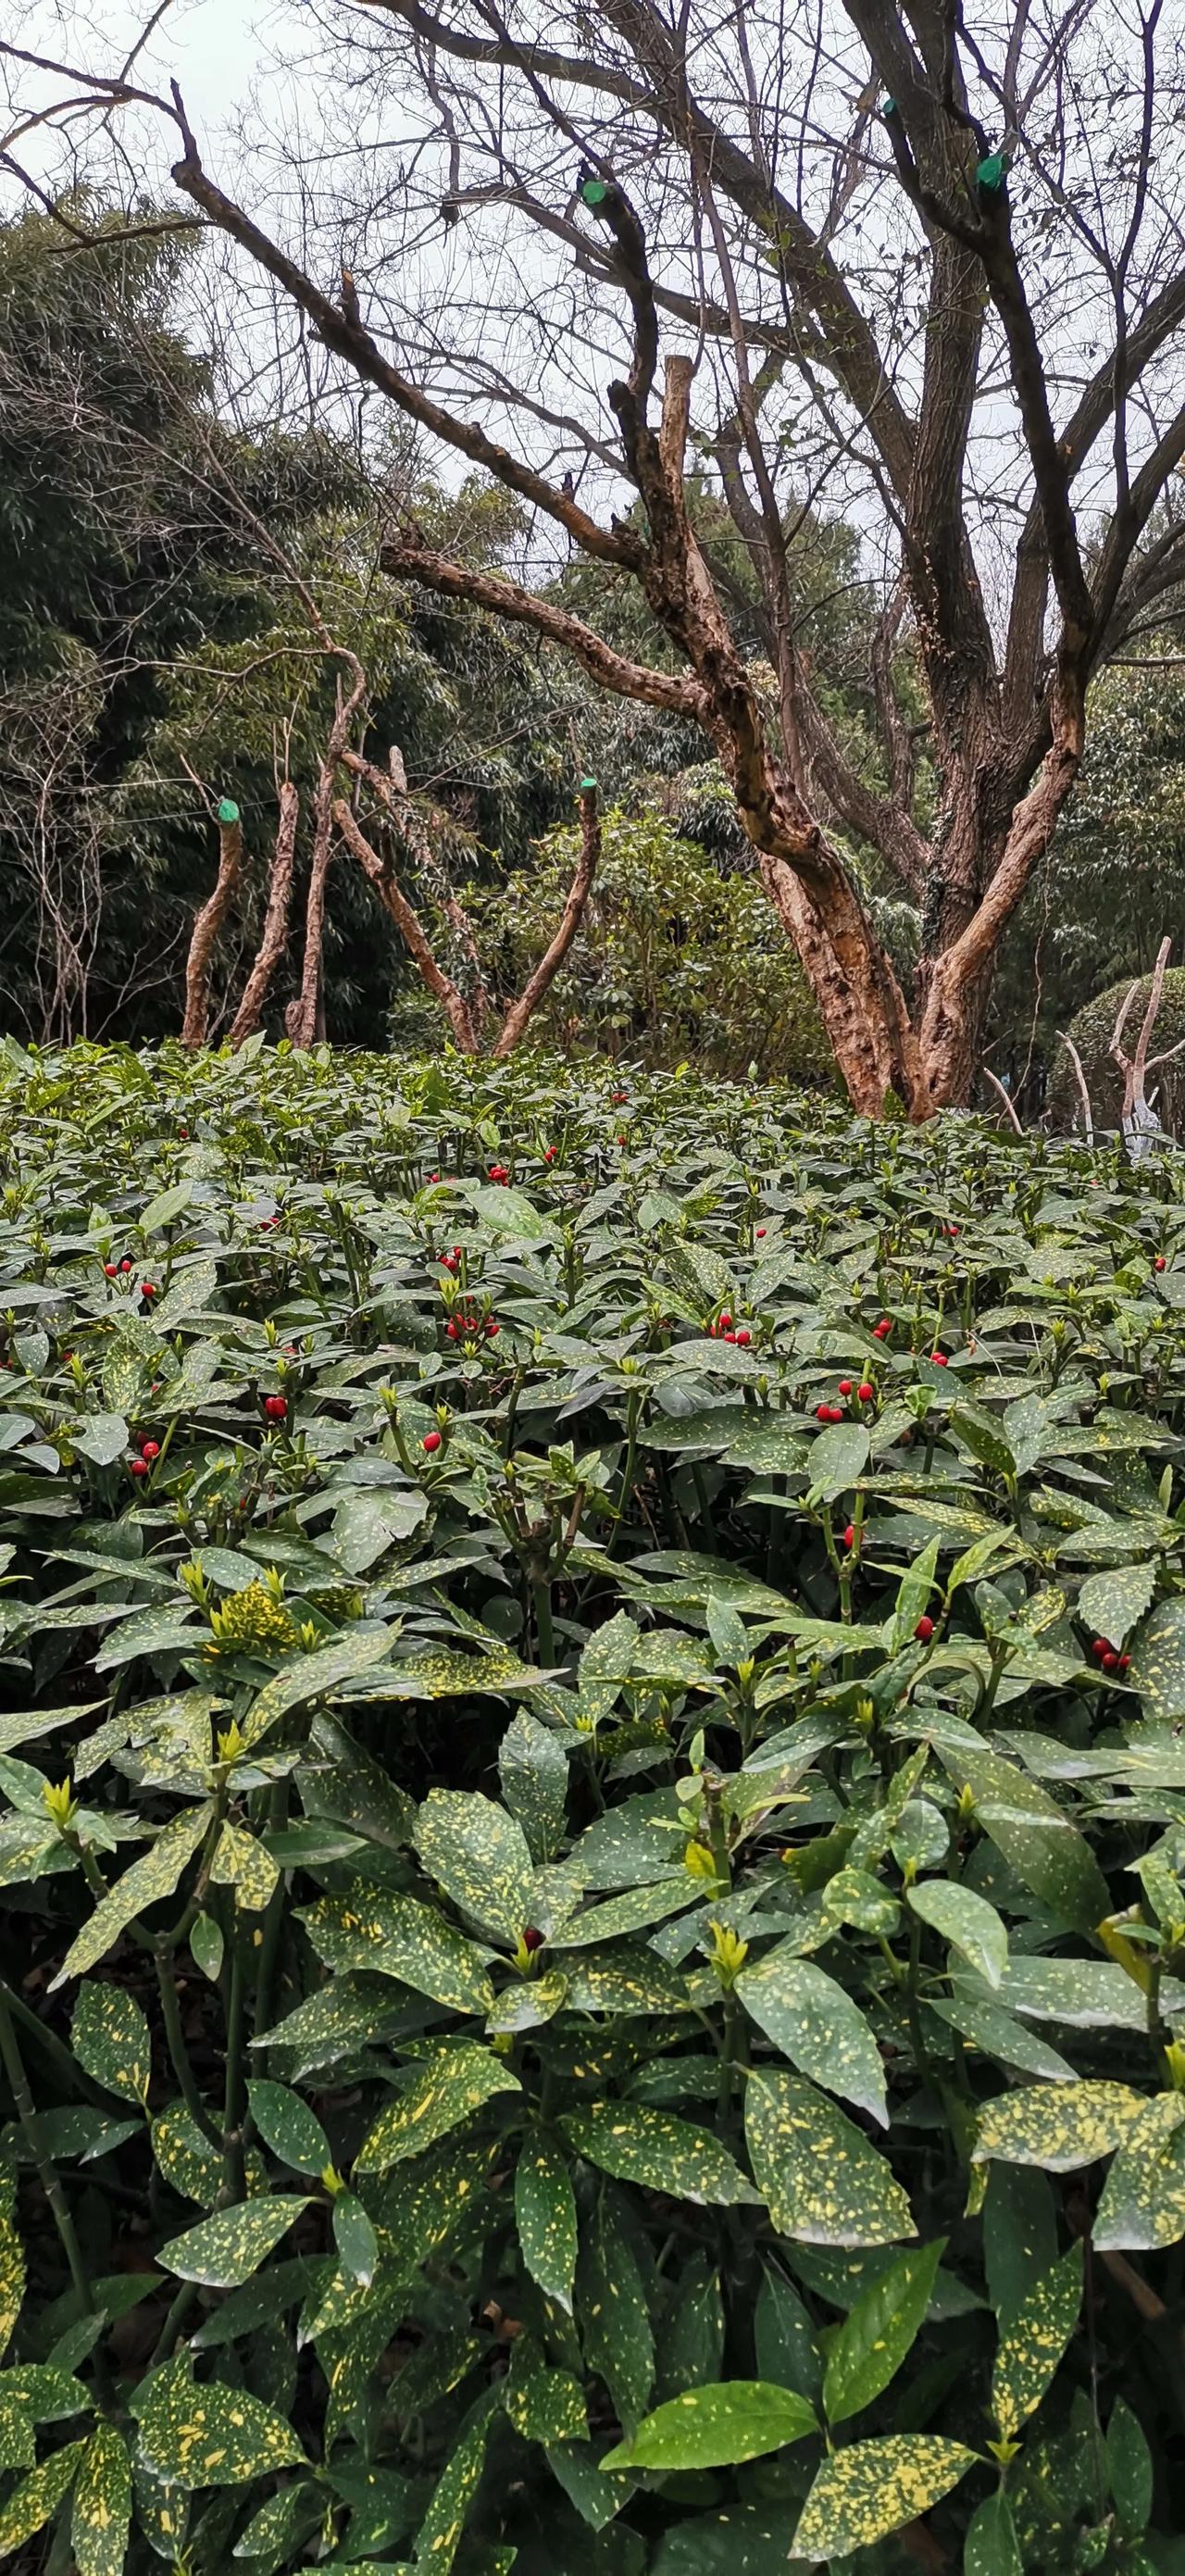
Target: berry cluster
(1108, 1657)
(466, 1326)
(149, 1452)
(722, 1329)
(864, 1393)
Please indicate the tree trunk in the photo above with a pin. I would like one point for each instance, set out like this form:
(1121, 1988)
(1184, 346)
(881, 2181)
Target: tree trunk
(208, 924)
(275, 927)
(410, 928)
(538, 984)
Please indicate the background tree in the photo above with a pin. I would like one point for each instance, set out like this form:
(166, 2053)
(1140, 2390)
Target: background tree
(951, 308)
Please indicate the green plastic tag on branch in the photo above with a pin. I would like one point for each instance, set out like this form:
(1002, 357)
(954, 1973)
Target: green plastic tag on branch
(594, 191)
(991, 173)
(228, 811)
(588, 786)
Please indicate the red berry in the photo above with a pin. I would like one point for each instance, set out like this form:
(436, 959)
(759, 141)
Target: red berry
(760, 1232)
(728, 1337)
(743, 1338)
(492, 1327)
(865, 1391)
(125, 1264)
(1110, 1661)
(1160, 1263)
(724, 1319)
(1125, 1663)
(150, 1449)
(451, 1328)
(138, 1466)
(433, 1176)
(849, 1536)
(1100, 1647)
(148, 1288)
(549, 1154)
(924, 1630)
(938, 1359)
(621, 1140)
(845, 1386)
(822, 1413)
(617, 1097)
(430, 1441)
(532, 1938)
(276, 1407)
(111, 1270)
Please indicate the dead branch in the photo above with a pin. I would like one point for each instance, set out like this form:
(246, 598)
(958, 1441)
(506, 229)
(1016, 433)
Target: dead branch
(1007, 1105)
(1083, 1093)
(275, 925)
(208, 924)
(539, 983)
(411, 929)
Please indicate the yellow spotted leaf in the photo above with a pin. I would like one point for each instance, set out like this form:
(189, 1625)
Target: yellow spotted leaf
(223, 2251)
(12, 2280)
(37, 2497)
(367, 1928)
(1142, 2204)
(872, 2488)
(825, 2182)
(480, 1857)
(443, 2091)
(110, 2038)
(1057, 2126)
(154, 1875)
(102, 2508)
(440, 2533)
(210, 2436)
(242, 1863)
(1033, 2340)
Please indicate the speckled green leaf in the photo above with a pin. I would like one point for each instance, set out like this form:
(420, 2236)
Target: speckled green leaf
(1130, 2470)
(443, 2091)
(964, 1920)
(991, 2547)
(479, 1855)
(878, 2331)
(1158, 1661)
(612, 2311)
(545, 2214)
(871, 2488)
(1038, 1841)
(837, 1457)
(154, 1875)
(626, 1979)
(824, 2181)
(12, 2279)
(102, 2508)
(999, 2034)
(439, 2536)
(289, 2127)
(225, 2250)
(110, 2037)
(1111, 1603)
(395, 1936)
(813, 2022)
(278, 2530)
(1032, 2342)
(444, 1676)
(334, 2024)
(314, 1677)
(527, 2003)
(242, 1863)
(712, 2428)
(1143, 2199)
(634, 1911)
(164, 1628)
(187, 2160)
(204, 2434)
(355, 2239)
(666, 2154)
(543, 2405)
(533, 1769)
(18, 2435)
(1057, 2126)
(38, 2496)
(100, 1437)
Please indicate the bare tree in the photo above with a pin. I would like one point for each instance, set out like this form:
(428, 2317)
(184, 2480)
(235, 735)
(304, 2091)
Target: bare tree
(274, 934)
(875, 259)
(209, 922)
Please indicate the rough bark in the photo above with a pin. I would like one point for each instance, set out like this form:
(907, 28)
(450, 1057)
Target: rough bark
(539, 983)
(307, 1021)
(411, 929)
(275, 925)
(208, 924)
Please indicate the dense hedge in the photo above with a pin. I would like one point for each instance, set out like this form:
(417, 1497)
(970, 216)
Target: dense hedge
(593, 1830)
(1091, 1031)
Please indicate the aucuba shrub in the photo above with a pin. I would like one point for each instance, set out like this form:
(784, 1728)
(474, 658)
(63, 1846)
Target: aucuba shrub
(593, 1918)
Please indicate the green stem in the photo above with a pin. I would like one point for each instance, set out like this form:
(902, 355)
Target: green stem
(544, 1631)
(178, 2311)
(234, 2157)
(176, 2042)
(273, 1921)
(49, 2178)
